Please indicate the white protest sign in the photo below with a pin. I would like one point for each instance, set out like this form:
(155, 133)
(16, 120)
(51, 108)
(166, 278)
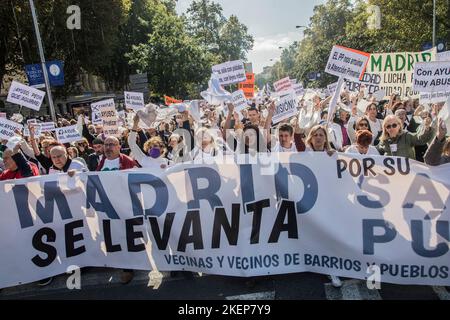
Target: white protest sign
(98, 106)
(134, 100)
(294, 81)
(97, 117)
(433, 97)
(8, 128)
(37, 131)
(25, 96)
(68, 134)
(110, 121)
(230, 72)
(285, 108)
(432, 76)
(299, 90)
(284, 84)
(239, 100)
(47, 126)
(347, 63)
(443, 56)
(332, 88)
(31, 121)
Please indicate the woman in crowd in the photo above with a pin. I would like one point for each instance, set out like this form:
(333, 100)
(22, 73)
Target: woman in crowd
(439, 151)
(396, 142)
(153, 155)
(363, 143)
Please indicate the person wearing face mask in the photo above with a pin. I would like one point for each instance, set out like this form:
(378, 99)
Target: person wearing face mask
(154, 150)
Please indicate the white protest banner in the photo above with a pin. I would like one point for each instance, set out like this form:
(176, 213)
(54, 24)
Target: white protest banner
(284, 84)
(164, 220)
(393, 72)
(25, 96)
(443, 56)
(37, 130)
(47, 126)
(347, 63)
(299, 90)
(433, 97)
(230, 72)
(370, 81)
(239, 100)
(68, 134)
(285, 108)
(134, 100)
(432, 76)
(2, 114)
(8, 128)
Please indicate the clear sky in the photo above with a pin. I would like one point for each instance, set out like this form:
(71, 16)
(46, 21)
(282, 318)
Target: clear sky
(270, 22)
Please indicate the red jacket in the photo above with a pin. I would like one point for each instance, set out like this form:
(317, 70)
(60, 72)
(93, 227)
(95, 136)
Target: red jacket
(25, 169)
(125, 162)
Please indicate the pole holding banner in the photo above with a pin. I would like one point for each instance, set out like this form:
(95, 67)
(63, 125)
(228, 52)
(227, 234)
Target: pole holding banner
(44, 67)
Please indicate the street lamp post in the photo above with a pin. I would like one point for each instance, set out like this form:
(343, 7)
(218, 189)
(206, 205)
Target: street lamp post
(44, 67)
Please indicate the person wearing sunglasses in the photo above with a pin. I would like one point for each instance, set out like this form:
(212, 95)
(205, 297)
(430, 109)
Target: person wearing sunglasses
(361, 123)
(397, 142)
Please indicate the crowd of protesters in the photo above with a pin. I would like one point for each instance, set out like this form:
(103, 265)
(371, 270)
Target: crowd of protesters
(393, 127)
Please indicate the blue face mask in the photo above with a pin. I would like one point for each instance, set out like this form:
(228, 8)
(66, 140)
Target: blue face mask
(154, 153)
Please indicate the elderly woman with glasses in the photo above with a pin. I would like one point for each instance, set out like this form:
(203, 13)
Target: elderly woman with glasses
(400, 143)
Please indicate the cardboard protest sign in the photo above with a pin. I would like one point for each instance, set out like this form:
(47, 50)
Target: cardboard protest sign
(168, 100)
(68, 134)
(298, 89)
(8, 128)
(239, 100)
(285, 108)
(98, 106)
(134, 100)
(230, 72)
(248, 86)
(37, 131)
(393, 72)
(47, 126)
(25, 96)
(347, 63)
(284, 84)
(110, 121)
(432, 76)
(332, 88)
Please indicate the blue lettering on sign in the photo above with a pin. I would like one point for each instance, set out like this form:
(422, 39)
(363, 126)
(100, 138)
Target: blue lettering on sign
(310, 185)
(52, 195)
(135, 181)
